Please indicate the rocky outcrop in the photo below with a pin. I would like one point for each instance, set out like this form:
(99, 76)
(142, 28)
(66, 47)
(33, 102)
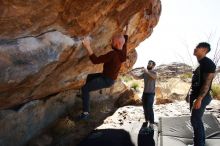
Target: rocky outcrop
(40, 42)
(29, 120)
(128, 98)
(173, 69)
(17, 127)
(41, 56)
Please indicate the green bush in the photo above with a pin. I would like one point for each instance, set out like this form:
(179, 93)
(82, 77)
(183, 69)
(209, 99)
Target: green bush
(135, 85)
(216, 91)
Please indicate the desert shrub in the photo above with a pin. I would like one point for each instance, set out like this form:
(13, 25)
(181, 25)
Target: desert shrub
(216, 91)
(186, 75)
(135, 85)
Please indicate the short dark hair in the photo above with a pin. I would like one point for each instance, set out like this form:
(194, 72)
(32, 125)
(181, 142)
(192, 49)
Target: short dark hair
(204, 45)
(152, 62)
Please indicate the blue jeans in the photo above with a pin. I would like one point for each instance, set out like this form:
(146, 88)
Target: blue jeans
(94, 82)
(196, 120)
(148, 100)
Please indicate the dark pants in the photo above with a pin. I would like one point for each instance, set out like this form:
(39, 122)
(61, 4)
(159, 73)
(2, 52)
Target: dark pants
(196, 121)
(148, 100)
(94, 82)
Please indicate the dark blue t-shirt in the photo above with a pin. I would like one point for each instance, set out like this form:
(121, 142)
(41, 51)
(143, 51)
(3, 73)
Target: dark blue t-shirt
(206, 65)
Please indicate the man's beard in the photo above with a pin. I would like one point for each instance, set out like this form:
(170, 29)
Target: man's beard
(149, 68)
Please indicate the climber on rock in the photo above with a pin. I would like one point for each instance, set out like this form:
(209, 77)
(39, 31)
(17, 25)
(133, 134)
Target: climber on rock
(112, 62)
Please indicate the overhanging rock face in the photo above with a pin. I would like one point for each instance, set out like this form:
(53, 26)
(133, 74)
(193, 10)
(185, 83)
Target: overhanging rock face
(40, 42)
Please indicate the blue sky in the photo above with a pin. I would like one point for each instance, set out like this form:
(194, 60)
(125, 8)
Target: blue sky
(182, 25)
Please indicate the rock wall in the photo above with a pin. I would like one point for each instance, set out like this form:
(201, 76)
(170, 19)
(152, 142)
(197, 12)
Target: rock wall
(40, 42)
(18, 127)
(41, 55)
(34, 117)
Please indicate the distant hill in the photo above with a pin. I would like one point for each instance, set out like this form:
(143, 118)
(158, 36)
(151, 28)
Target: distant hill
(170, 70)
(173, 69)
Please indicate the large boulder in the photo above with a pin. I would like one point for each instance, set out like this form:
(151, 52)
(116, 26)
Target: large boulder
(40, 42)
(42, 58)
(29, 120)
